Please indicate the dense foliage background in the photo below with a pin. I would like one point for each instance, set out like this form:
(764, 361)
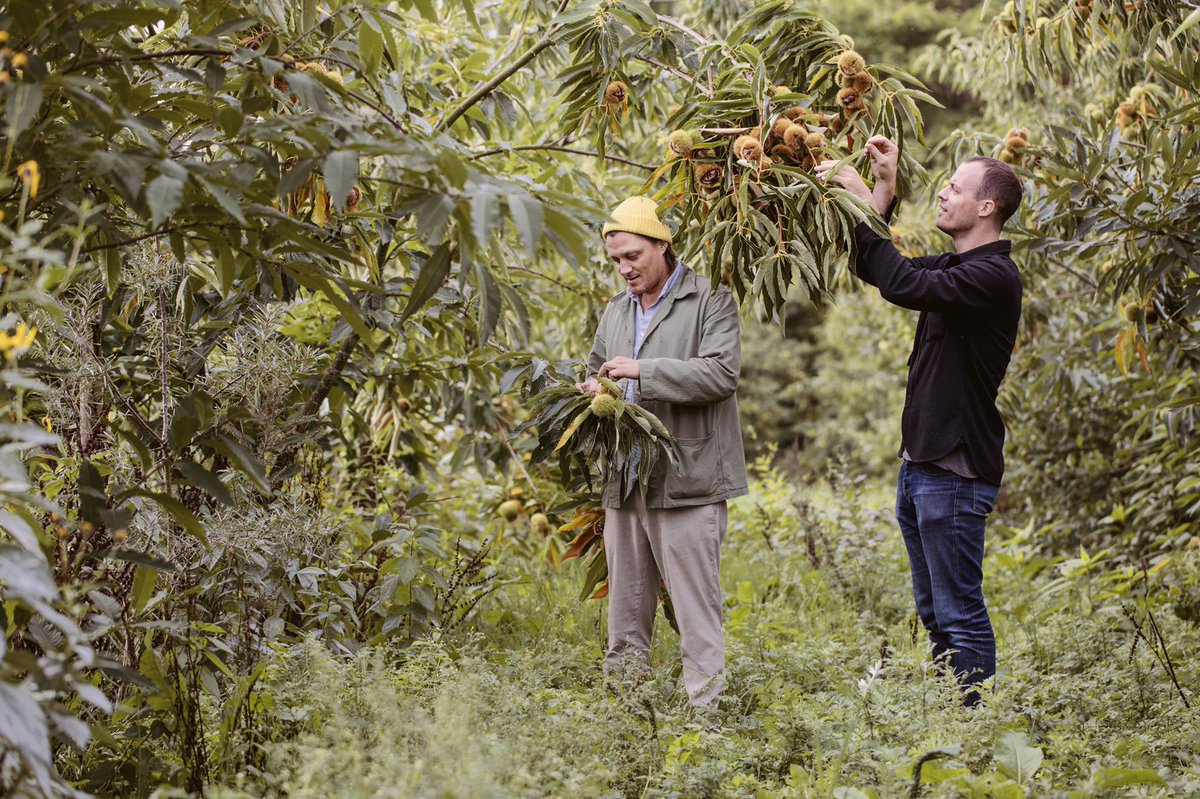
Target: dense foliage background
(270, 274)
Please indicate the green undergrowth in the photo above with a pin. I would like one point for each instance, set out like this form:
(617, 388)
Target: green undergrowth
(830, 691)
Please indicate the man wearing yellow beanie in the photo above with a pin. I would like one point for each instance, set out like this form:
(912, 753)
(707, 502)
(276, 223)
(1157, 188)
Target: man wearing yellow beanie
(677, 344)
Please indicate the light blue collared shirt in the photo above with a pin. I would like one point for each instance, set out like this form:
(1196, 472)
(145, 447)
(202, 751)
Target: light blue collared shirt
(643, 318)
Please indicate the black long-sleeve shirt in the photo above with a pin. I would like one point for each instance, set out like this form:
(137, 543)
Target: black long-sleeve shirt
(970, 306)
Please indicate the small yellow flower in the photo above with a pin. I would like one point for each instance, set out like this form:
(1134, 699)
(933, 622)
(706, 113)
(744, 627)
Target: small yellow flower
(31, 176)
(20, 60)
(12, 344)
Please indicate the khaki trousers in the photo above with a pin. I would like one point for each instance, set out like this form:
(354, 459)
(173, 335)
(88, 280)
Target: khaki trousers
(683, 547)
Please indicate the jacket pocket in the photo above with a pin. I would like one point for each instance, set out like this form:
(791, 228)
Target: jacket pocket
(700, 470)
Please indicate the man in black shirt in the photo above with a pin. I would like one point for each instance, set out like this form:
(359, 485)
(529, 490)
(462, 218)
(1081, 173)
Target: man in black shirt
(952, 442)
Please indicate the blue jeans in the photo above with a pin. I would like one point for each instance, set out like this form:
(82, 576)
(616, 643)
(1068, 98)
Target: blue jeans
(942, 517)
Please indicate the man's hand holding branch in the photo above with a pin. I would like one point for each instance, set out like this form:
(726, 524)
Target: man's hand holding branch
(884, 156)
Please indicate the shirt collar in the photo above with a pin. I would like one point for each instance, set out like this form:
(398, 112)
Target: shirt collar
(671, 281)
(998, 247)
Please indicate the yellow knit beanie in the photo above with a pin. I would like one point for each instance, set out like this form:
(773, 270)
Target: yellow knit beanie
(638, 215)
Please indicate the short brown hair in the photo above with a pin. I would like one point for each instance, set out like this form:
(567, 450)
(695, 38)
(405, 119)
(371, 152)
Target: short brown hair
(668, 254)
(1001, 185)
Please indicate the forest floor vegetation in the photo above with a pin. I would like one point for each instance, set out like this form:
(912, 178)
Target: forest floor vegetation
(830, 689)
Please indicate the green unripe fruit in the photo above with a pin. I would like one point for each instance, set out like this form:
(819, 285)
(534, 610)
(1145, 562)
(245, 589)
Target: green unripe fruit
(850, 63)
(681, 142)
(605, 405)
(1133, 311)
(540, 524)
(510, 510)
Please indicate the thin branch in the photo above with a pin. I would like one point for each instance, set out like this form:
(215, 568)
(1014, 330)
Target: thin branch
(395, 123)
(679, 26)
(105, 60)
(487, 88)
(561, 149)
(331, 376)
(313, 27)
(556, 281)
(726, 131)
(518, 35)
(157, 234)
(679, 73)
(1076, 273)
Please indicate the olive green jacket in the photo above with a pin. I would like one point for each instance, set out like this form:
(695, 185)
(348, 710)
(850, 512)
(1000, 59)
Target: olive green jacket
(689, 363)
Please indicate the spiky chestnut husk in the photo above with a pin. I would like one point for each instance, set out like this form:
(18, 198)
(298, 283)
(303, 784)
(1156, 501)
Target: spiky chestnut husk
(1015, 143)
(606, 405)
(862, 83)
(777, 90)
(807, 163)
(782, 152)
(780, 127)
(353, 198)
(509, 509)
(851, 63)
(747, 147)
(615, 93)
(836, 125)
(815, 141)
(847, 97)
(1138, 93)
(709, 175)
(1008, 156)
(795, 135)
(680, 142)
(795, 113)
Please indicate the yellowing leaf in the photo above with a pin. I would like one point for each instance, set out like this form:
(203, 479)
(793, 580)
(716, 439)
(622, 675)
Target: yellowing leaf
(1141, 352)
(1121, 350)
(320, 211)
(575, 423)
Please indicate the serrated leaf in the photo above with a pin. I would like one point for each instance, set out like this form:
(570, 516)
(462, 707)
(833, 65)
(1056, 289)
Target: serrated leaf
(341, 173)
(202, 478)
(433, 274)
(163, 195)
(526, 212)
(145, 579)
(176, 509)
(570, 431)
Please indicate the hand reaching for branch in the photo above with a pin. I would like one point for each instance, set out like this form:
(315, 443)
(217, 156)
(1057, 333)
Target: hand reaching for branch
(885, 156)
(847, 177)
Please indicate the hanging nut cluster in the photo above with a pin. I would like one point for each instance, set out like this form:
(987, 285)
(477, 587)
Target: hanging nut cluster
(1015, 144)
